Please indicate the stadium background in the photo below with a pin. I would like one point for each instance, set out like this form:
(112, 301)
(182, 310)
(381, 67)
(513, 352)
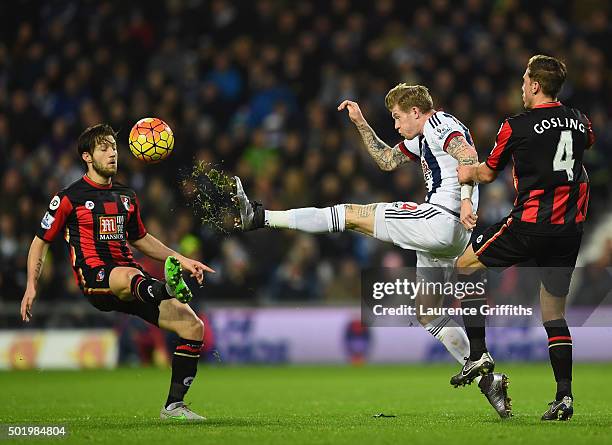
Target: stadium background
(254, 87)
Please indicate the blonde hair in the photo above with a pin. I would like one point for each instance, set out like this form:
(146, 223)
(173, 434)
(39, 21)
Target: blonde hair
(408, 96)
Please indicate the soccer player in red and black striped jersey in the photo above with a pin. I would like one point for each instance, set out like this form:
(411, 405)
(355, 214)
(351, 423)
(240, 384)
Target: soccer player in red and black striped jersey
(98, 218)
(546, 145)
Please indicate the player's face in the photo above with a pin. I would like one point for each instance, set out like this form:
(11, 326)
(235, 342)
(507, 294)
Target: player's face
(406, 122)
(105, 157)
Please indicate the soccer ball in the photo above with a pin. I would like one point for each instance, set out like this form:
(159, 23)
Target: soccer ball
(151, 140)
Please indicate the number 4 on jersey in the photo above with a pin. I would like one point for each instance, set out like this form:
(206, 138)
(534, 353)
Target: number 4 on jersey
(563, 159)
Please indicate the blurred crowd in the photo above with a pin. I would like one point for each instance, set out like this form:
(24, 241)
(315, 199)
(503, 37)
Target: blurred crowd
(253, 87)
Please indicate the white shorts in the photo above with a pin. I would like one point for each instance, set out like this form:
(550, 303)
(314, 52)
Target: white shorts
(437, 236)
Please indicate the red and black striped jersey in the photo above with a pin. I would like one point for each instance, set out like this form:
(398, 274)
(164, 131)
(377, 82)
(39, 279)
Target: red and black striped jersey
(546, 145)
(96, 221)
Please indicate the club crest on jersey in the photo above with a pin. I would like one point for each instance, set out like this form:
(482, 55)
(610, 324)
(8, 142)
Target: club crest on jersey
(55, 203)
(126, 202)
(89, 205)
(47, 221)
(111, 227)
(442, 130)
(100, 275)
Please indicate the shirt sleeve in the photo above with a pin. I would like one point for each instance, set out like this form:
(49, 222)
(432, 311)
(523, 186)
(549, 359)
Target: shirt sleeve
(505, 142)
(54, 220)
(135, 226)
(590, 133)
(411, 148)
(441, 129)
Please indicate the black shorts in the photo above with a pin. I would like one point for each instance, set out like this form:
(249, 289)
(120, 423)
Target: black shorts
(555, 256)
(94, 283)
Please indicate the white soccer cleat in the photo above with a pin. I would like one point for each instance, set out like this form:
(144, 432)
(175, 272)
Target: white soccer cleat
(179, 411)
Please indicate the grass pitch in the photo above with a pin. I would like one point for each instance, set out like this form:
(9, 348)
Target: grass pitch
(309, 405)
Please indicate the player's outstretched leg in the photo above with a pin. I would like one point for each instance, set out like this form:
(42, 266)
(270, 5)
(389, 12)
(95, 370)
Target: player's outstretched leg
(310, 219)
(176, 286)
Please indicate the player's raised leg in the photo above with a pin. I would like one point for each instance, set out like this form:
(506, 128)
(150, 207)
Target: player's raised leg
(129, 283)
(341, 217)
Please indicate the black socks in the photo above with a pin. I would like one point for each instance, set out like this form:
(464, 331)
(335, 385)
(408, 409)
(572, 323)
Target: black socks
(184, 368)
(474, 324)
(149, 289)
(560, 353)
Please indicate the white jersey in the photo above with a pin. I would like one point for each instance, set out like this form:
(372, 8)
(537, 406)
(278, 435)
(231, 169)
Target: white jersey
(439, 168)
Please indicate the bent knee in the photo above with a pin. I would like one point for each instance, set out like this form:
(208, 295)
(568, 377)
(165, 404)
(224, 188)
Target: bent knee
(188, 326)
(196, 328)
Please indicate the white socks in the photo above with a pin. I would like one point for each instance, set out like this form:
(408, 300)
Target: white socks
(451, 335)
(309, 219)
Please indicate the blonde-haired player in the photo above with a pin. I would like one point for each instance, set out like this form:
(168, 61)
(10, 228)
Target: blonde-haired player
(438, 230)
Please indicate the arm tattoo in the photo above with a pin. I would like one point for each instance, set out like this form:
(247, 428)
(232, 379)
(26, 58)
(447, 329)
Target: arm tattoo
(463, 152)
(386, 157)
(38, 269)
(367, 210)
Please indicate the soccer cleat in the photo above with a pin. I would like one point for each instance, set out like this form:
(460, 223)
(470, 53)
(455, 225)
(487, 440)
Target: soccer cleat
(560, 409)
(472, 369)
(175, 284)
(495, 388)
(251, 212)
(179, 411)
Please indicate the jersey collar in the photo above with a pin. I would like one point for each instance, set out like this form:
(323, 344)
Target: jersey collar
(88, 180)
(548, 105)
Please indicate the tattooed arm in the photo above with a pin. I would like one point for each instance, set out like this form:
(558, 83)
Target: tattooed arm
(36, 258)
(465, 155)
(463, 152)
(386, 157)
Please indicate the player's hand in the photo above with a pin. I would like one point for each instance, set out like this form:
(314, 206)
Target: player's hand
(467, 216)
(354, 111)
(196, 268)
(466, 173)
(26, 304)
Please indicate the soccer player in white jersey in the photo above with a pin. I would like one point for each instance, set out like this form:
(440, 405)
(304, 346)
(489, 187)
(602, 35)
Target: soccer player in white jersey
(438, 229)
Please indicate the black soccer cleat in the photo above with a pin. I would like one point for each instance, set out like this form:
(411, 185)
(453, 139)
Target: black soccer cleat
(251, 212)
(495, 388)
(560, 409)
(472, 369)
